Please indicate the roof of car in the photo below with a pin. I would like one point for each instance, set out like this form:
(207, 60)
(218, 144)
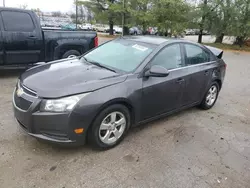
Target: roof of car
(14, 9)
(157, 40)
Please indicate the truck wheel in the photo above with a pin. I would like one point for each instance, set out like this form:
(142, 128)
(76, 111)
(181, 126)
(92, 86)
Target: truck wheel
(70, 54)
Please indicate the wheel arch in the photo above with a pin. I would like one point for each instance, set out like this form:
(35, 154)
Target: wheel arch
(218, 81)
(70, 44)
(122, 101)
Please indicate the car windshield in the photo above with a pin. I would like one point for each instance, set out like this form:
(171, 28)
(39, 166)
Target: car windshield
(120, 54)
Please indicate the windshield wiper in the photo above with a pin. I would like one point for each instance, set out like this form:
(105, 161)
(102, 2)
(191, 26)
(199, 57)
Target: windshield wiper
(98, 64)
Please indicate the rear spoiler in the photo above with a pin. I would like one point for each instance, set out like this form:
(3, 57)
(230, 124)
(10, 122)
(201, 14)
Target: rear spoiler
(216, 51)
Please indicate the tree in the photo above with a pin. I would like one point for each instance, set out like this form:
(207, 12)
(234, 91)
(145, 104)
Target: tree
(203, 19)
(23, 6)
(241, 27)
(170, 15)
(220, 18)
(38, 12)
(140, 13)
(56, 14)
(105, 10)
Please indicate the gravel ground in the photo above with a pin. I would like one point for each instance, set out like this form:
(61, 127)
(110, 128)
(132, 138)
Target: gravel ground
(191, 149)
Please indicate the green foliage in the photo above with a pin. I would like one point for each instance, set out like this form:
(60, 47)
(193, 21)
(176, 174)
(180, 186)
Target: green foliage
(241, 25)
(220, 17)
(170, 15)
(105, 11)
(139, 12)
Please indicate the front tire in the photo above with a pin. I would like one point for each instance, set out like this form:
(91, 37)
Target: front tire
(71, 54)
(210, 97)
(110, 127)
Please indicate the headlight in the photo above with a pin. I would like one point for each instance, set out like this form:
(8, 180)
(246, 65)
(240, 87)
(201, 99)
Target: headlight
(61, 105)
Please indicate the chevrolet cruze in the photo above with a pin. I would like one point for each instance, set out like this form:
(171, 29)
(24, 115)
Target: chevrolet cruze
(98, 96)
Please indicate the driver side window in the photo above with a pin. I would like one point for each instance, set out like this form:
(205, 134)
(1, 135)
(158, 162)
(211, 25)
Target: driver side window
(169, 57)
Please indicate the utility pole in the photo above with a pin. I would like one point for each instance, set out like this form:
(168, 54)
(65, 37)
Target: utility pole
(3, 3)
(123, 17)
(76, 13)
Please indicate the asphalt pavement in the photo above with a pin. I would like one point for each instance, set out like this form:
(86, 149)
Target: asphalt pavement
(190, 149)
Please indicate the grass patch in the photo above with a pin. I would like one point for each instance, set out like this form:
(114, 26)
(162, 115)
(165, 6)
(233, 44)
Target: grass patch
(229, 47)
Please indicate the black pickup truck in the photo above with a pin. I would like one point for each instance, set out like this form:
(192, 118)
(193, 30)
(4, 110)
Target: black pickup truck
(23, 42)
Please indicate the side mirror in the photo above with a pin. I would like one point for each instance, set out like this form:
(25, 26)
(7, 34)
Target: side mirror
(156, 71)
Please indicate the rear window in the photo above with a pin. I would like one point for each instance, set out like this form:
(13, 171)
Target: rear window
(121, 54)
(17, 21)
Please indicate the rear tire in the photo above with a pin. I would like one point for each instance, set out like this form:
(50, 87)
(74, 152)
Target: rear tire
(105, 134)
(210, 97)
(70, 53)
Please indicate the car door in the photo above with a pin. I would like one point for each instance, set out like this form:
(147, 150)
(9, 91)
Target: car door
(198, 65)
(21, 37)
(163, 94)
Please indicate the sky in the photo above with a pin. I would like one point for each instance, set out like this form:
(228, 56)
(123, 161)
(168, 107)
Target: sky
(44, 5)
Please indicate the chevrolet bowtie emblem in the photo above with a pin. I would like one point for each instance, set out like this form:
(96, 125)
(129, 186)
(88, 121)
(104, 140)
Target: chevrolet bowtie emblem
(19, 92)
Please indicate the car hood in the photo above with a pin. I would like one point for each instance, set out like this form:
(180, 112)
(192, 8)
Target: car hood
(68, 77)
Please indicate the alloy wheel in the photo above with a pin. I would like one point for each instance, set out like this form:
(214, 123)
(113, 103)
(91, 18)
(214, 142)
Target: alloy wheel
(112, 127)
(212, 95)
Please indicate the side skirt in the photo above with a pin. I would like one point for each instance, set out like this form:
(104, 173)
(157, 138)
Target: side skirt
(166, 114)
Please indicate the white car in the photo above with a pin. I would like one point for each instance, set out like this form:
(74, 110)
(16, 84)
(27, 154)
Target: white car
(118, 29)
(86, 26)
(100, 27)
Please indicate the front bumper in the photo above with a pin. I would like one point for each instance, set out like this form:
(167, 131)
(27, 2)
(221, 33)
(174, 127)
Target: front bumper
(43, 137)
(51, 127)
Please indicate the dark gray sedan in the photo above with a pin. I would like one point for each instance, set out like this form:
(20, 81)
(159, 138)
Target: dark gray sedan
(125, 82)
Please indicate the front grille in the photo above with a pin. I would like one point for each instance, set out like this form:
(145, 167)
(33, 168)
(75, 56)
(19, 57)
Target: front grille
(21, 102)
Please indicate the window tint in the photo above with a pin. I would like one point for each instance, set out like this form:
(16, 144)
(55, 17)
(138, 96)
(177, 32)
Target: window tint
(17, 21)
(196, 55)
(169, 57)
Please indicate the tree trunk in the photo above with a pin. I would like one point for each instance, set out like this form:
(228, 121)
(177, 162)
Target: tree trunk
(111, 27)
(239, 41)
(200, 36)
(202, 21)
(125, 30)
(219, 38)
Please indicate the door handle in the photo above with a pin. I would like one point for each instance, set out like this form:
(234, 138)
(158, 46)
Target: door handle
(32, 37)
(180, 80)
(206, 73)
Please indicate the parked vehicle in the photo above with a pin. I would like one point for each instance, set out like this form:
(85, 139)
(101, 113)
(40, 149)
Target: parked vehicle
(118, 29)
(122, 83)
(135, 31)
(153, 30)
(23, 42)
(86, 27)
(189, 32)
(100, 27)
(70, 26)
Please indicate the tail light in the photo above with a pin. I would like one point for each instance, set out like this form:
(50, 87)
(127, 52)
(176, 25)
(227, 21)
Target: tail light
(225, 65)
(96, 41)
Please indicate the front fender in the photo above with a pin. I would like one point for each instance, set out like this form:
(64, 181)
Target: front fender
(125, 93)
